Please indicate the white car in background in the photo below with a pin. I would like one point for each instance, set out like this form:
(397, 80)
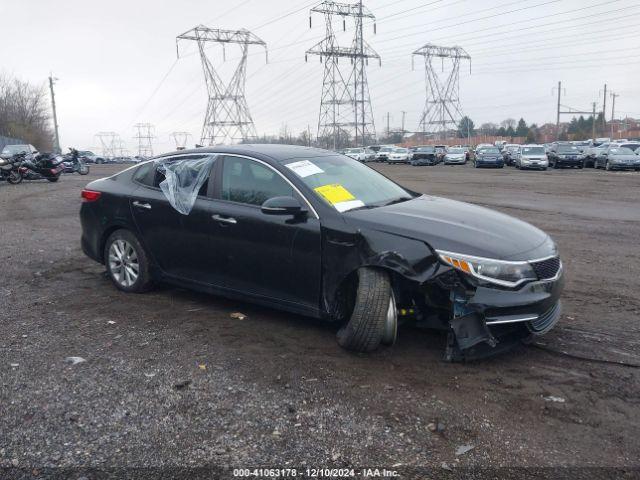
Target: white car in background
(383, 153)
(399, 155)
(532, 156)
(359, 154)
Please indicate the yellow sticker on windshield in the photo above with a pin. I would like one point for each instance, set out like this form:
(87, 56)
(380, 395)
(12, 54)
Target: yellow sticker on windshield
(335, 193)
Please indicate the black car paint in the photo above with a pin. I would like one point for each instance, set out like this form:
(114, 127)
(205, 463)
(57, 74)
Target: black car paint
(303, 265)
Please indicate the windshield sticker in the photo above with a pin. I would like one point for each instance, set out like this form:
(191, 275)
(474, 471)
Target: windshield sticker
(351, 204)
(335, 193)
(304, 168)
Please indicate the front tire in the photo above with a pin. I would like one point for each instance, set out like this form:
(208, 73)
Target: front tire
(369, 324)
(14, 178)
(127, 262)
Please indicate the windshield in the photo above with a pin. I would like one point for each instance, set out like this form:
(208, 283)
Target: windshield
(567, 149)
(425, 149)
(533, 150)
(13, 149)
(490, 150)
(400, 150)
(632, 146)
(621, 151)
(456, 150)
(386, 149)
(347, 184)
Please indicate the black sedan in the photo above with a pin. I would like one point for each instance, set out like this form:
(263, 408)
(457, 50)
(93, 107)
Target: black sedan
(320, 234)
(426, 155)
(566, 155)
(616, 157)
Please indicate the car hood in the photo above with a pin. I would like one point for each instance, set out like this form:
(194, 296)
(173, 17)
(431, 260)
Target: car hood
(457, 227)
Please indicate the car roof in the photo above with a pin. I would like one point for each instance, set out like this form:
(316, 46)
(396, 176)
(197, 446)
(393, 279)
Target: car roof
(276, 152)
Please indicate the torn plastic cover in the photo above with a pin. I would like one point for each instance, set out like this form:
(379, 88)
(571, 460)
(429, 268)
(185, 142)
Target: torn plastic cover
(183, 180)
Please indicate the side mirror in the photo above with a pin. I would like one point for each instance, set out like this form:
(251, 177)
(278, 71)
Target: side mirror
(282, 206)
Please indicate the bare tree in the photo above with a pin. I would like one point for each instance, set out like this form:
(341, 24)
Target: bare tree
(24, 112)
(509, 122)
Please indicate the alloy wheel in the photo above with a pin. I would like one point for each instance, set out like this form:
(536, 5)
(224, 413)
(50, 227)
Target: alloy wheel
(123, 263)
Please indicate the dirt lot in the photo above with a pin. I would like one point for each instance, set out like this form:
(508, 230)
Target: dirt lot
(170, 380)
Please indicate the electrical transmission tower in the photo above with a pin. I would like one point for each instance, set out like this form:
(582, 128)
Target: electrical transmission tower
(227, 118)
(110, 142)
(345, 106)
(442, 111)
(144, 135)
(181, 139)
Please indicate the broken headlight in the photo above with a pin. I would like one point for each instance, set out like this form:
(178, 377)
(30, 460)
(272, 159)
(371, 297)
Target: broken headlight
(500, 272)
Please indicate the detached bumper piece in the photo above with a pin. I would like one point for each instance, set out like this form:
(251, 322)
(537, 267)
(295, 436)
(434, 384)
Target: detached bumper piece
(493, 321)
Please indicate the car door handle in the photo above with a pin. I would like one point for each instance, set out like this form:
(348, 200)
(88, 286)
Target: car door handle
(138, 204)
(220, 218)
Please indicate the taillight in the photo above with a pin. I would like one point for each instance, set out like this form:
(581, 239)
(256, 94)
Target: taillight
(90, 195)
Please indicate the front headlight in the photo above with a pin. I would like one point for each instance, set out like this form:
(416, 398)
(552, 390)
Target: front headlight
(500, 272)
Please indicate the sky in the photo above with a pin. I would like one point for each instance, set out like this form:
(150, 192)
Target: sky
(117, 65)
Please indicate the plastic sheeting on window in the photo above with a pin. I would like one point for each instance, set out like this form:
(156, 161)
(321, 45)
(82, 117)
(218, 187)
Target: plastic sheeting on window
(183, 180)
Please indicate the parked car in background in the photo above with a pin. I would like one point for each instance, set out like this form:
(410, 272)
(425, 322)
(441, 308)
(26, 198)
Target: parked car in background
(399, 155)
(383, 153)
(424, 155)
(617, 157)
(11, 150)
(590, 153)
(357, 154)
(565, 155)
(631, 145)
(489, 157)
(531, 156)
(89, 157)
(456, 156)
(441, 151)
(509, 153)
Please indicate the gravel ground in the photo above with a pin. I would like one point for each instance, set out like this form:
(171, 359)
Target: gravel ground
(171, 381)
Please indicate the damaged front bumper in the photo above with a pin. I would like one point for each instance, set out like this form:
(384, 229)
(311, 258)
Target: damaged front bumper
(491, 320)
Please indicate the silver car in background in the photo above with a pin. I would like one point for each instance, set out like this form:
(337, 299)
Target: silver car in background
(455, 156)
(531, 156)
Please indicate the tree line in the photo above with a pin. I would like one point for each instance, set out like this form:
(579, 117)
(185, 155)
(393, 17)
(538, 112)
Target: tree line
(25, 112)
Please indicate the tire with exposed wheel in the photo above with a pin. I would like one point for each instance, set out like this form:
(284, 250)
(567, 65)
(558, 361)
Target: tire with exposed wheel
(371, 321)
(14, 177)
(127, 262)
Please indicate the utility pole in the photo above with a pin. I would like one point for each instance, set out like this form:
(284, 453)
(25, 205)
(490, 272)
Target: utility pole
(388, 127)
(345, 106)
(593, 128)
(442, 110)
(613, 110)
(227, 119)
(403, 116)
(144, 135)
(604, 112)
(558, 110)
(55, 115)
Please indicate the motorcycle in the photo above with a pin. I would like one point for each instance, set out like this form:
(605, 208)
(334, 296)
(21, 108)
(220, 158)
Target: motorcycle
(43, 166)
(74, 163)
(9, 168)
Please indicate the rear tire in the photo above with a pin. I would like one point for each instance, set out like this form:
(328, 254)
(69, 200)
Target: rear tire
(365, 330)
(125, 258)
